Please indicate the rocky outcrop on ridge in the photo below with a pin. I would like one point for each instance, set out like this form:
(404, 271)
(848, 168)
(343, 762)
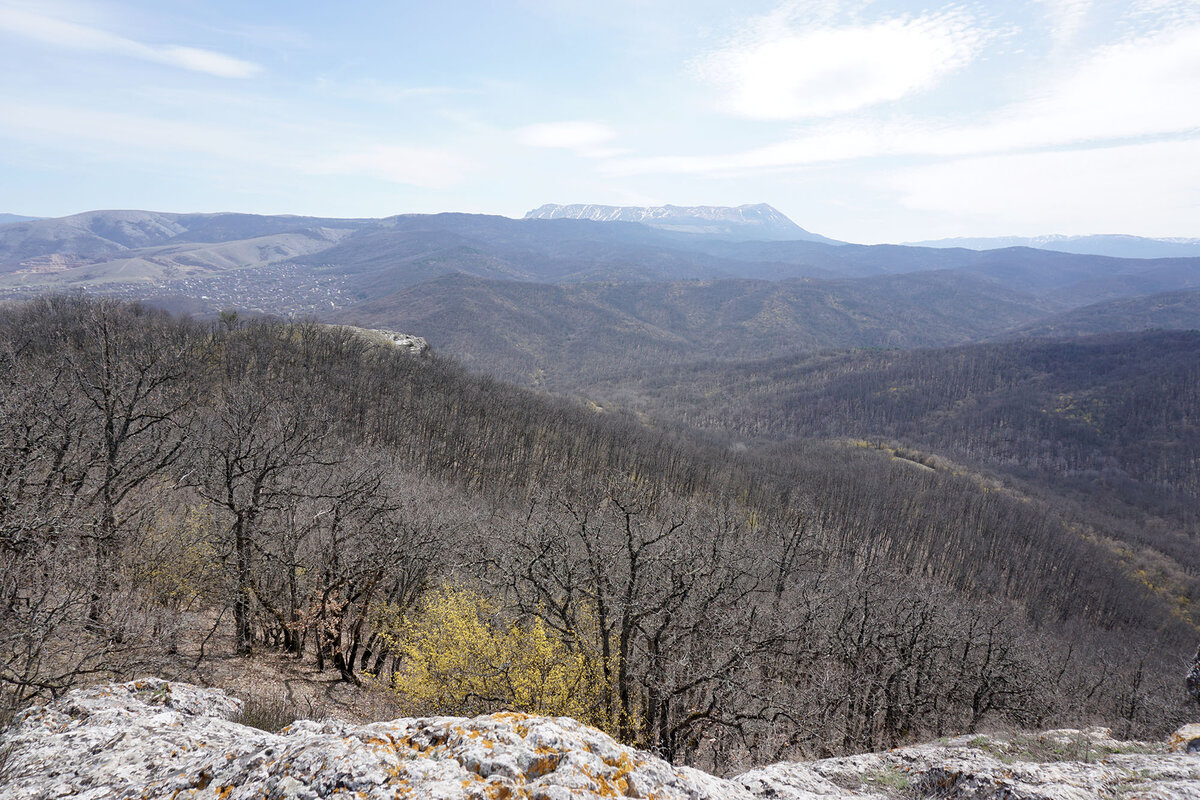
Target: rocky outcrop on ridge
(407, 342)
(414, 345)
(154, 739)
(1056, 765)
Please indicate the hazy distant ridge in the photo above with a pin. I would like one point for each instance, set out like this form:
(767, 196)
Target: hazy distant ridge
(1116, 245)
(747, 222)
(9, 219)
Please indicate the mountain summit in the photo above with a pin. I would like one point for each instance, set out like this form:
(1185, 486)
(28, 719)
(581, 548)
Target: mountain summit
(747, 222)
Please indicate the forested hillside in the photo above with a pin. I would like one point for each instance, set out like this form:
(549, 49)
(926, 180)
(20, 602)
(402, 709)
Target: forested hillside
(1105, 425)
(1165, 310)
(303, 489)
(1112, 407)
(566, 336)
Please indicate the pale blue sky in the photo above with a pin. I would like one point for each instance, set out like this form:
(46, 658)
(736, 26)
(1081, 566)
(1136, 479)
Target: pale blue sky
(865, 121)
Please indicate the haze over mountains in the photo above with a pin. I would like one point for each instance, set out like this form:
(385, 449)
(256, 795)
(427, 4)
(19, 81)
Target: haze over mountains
(97, 238)
(574, 292)
(745, 222)
(1117, 245)
(7, 219)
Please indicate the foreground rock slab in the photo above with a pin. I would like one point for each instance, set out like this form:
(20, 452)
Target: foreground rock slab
(1056, 765)
(153, 739)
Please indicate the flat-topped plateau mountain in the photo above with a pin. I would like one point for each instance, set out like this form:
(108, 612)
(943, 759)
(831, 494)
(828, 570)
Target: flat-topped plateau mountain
(758, 222)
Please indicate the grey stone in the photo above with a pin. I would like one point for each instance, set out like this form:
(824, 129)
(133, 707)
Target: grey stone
(152, 739)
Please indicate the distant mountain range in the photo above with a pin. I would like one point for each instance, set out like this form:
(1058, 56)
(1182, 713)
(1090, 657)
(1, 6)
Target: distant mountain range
(741, 223)
(377, 256)
(559, 301)
(8, 219)
(1116, 245)
(133, 242)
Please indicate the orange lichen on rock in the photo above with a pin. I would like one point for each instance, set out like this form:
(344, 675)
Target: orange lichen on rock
(542, 765)
(504, 791)
(379, 741)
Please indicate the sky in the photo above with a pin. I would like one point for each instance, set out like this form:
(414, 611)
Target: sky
(863, 121)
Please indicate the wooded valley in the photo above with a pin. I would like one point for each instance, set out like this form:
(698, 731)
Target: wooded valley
(783, 579)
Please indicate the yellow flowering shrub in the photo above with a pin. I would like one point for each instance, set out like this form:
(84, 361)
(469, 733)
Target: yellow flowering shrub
(174, 563)
(459, 654)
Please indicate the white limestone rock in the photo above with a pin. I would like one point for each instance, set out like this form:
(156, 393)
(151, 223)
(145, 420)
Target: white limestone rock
(151, 739)
(1185, 740)
(1056, 765)
(406, 342)
(414, 345)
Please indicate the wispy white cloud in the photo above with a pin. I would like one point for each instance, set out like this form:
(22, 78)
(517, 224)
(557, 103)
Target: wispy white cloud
(1164, 13)
(588, 139)
(73, 36)
(781, 71)
(111, 134)
(1066, 17)
(1142, 87)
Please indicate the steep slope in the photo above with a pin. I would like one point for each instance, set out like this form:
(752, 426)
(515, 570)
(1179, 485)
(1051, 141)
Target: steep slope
(1106, 428)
